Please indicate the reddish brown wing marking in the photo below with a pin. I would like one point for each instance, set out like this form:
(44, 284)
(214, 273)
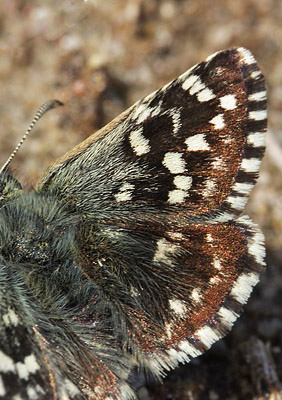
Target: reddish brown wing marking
(187, 290)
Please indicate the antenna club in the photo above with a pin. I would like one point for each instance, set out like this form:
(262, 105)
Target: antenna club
(49, 105)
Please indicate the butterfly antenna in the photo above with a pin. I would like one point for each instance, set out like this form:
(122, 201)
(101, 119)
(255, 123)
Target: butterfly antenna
(49, 105)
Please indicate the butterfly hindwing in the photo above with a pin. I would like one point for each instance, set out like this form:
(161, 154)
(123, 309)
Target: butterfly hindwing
(176, 284)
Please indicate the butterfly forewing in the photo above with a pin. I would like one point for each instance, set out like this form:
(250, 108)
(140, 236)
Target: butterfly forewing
(193, 146)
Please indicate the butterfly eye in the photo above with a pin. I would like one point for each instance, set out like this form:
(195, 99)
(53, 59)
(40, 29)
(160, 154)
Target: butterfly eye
(9, 188)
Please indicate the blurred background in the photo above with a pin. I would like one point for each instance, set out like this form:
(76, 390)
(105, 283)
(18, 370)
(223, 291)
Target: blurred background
(99, 57)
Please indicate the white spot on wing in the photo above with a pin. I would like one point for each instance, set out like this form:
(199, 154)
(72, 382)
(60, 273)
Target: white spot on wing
(228, 140)
(182, 182)
(6, 363)
(176, 196)
(176, 120)
(228, 316)
(196, 295)
(174, 162)
(210, 186)
(218, 163)
(217, 264)
(177, 356)
(209, 238)
(157, 109)
(177, 306)
(164, 251)
(255, 242)
(175, 235)
(237, 202)
(125, 192)
(168, 328)
(29, 366)
(139, 111)
(197, 143)
(255, 74)
(243, 286)
(188, 348)
(243, 188)
(223, 217)
(156, 364)
(143, 115)
(207, 335)
(205, 95)
(214, 280)
(197, 86)
(218, 122)
(228, 102)
(256, 247)
(258, 115)
(246, 55)
(250, 164)
(139, 143)
(256, 139)
(189, 82)
(258, 96)
(10, 318)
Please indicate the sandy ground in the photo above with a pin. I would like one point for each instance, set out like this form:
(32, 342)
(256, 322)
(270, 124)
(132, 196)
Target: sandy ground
(99, 57)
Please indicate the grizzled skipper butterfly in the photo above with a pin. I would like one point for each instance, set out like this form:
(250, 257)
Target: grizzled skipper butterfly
(131, 251)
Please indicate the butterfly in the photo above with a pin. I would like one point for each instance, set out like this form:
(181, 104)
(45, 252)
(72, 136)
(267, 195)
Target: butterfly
(131, 251)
